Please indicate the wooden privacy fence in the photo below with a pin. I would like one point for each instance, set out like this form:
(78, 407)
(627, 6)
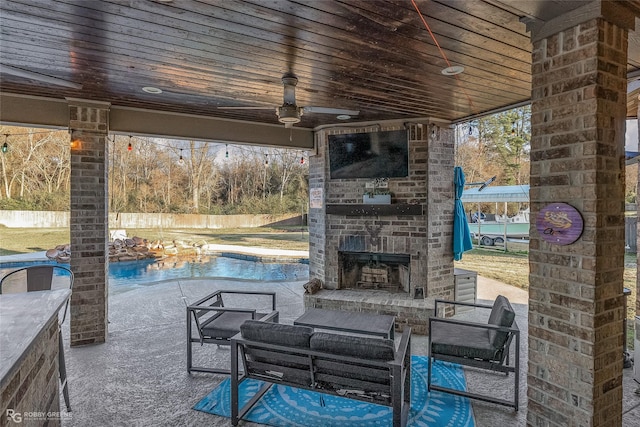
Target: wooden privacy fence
(49, 219)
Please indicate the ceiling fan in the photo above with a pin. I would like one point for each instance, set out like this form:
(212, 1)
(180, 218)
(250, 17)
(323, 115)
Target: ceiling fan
(289, 112)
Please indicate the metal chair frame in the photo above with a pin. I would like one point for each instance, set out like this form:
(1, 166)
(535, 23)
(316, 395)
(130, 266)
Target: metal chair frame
(211, 308)
(501, 363)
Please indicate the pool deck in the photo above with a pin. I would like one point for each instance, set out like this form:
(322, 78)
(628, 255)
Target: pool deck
(138, 377)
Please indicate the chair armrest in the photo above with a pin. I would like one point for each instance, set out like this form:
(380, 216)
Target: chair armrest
(467, 304)
(274, 317)
(209, 308)
(403, 347)
(513, 329)
(221, 292)
(207, 298)
(266, 293)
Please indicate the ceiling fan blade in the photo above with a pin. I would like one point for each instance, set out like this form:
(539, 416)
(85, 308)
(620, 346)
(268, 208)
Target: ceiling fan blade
(246, 108)
(327, 110)
(19, 72)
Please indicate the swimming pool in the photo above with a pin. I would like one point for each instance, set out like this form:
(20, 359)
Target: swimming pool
(131, 273)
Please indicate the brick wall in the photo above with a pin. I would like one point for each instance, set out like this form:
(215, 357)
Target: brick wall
(441, 206)
(33, 384)
(89, 221)
(426, 238)
(575, 318)
(317, 209)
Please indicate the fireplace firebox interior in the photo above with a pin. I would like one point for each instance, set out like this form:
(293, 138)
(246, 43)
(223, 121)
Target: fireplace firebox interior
(366, 270)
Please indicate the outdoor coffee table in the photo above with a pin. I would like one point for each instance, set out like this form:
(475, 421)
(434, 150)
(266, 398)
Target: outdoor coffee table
(348, 321)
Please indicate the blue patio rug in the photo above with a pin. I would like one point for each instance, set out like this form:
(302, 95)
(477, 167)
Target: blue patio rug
(284, 406)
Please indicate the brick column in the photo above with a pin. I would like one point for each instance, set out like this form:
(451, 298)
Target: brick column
(88, 122)
(440, 207)
(318, 170)
(577, 157)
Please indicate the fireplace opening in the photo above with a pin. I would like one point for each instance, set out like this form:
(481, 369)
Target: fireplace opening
(367, 270)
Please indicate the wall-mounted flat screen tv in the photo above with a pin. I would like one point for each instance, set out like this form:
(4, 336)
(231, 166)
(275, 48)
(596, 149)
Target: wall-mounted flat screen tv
(369, 155)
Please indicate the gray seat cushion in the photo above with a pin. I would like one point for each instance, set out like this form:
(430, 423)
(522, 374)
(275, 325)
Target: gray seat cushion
(461, 341)
(276, 333)
(354, 346)
(227, 324)
(502, 314)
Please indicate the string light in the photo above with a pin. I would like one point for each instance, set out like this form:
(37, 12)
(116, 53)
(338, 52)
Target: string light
(470, 129)
(302, 160)
(513, 128)
(76, 144)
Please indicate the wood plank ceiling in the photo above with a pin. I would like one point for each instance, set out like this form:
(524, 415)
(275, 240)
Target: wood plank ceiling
(375, 56)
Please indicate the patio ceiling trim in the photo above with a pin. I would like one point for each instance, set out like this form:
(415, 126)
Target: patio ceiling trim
(28, 110)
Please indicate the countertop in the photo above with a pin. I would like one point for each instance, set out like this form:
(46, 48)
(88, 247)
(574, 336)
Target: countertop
(22, 317)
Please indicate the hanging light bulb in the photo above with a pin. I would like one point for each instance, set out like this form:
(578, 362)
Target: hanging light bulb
(181, 160)
(5, 146)
(226, 154)
(470, 129)
(302, 160)
(266, 159)
(513, 128)
(129, 147)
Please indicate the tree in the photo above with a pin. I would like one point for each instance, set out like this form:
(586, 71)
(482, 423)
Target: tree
(496, 145)
(509, 136)
(35, 166)
(148, 175)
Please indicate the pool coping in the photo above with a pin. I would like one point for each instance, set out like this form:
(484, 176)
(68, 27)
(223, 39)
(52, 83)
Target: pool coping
(249, 253)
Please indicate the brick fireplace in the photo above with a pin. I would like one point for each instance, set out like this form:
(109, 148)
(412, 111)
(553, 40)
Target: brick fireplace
(390, 258)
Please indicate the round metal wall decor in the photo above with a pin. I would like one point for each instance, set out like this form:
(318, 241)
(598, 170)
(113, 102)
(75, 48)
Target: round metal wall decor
(559, 223)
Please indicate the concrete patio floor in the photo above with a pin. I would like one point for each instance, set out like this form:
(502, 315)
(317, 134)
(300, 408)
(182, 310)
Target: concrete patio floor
(139, 378)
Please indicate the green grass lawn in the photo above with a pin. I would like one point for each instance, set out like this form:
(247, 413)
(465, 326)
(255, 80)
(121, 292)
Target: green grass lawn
(24, 240)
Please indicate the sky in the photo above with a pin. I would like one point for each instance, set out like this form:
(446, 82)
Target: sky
(631, 138)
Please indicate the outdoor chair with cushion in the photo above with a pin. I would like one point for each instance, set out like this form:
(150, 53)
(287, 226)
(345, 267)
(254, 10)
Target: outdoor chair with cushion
(477, 344)
(43, 278)
(216, 322)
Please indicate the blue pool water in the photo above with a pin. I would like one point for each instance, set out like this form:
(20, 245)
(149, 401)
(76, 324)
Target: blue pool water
(131, 273)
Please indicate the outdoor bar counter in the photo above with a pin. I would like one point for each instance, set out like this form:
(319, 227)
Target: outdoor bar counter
(29, 331)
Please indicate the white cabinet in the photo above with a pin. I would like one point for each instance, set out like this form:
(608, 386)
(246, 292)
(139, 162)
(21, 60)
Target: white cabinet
(465, 287)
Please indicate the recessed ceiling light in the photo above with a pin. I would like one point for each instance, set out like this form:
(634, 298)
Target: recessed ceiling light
(343, 117)
(151, 89)
(453, 70)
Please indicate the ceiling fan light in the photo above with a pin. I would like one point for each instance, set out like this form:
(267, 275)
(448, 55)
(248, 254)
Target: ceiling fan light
(289, 114)
(453, 70)
(151, 89)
